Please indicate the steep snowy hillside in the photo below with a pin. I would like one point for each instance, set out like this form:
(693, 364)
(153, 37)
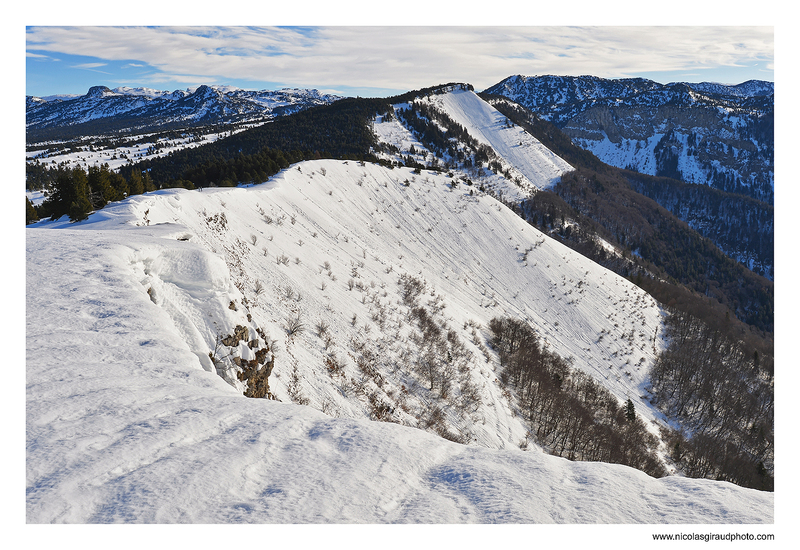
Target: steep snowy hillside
(138, 319)
(520, 150)
(519, 165)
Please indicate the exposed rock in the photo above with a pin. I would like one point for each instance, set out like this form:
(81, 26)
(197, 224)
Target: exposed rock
(239, 333)
(257, 377)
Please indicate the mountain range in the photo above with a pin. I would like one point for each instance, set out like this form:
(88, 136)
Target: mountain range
(703, 133)
(127, 108)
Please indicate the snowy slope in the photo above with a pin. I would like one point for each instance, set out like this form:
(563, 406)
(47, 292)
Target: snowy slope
(117, 155)
(713, 134)
(470, 249)
(529, 165)
(128, 421)
(535, 162)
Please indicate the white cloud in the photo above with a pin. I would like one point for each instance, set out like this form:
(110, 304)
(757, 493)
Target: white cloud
(409, 57)
(89, 65)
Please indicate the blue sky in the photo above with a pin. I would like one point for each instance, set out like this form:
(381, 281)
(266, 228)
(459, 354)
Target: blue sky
(379, 61)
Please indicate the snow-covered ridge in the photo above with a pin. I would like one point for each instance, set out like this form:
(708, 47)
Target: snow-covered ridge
(529, 165)
(703, 133)
(132, 300)
(539, 166)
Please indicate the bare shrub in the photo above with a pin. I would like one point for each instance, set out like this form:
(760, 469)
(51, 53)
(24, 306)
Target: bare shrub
(333, 365)
(295, 325)
(294, 390)
(322, 328)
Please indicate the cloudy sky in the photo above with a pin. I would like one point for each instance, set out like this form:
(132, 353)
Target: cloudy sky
(383, 60)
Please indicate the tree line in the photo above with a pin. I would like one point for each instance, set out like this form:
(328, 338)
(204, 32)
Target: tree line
(443, 136)
(569, 413)
(721, 390)
(340, 130)
(77, 192)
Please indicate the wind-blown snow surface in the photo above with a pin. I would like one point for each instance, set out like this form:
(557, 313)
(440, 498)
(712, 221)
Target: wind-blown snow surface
(127, 422)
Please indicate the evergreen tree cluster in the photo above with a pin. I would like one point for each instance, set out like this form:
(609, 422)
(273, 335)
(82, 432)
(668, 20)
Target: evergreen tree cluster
(41, 177)
(340, 130)
(443, 136)
(246, 169)
(569, 413)
(76, 193)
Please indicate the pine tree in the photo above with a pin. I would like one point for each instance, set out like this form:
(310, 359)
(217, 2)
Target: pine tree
(136, 184)
(30, 212)
(81, 206)
(630, 411)
(100, 187)
(148, 182)
(62, 195)
(120, 185)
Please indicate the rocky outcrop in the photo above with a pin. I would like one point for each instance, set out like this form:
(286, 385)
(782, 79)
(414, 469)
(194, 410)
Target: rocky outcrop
(252, 363)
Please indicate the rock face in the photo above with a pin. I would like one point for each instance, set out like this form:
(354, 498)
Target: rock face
(254, 373)
(722, 136)
(239, 333)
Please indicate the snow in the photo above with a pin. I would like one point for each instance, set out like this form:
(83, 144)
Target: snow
(535, 162)
(117, 157)
(639, 155)
(529, 164)
(127, 422)
(36, 197)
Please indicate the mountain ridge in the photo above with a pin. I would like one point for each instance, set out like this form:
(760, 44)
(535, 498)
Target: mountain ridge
(385, 282)
(127, 108)
(702, 133)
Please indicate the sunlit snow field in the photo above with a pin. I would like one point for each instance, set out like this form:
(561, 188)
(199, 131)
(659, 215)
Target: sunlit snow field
(128, 422)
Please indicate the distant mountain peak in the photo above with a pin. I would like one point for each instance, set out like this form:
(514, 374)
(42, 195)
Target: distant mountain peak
(99, 92)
